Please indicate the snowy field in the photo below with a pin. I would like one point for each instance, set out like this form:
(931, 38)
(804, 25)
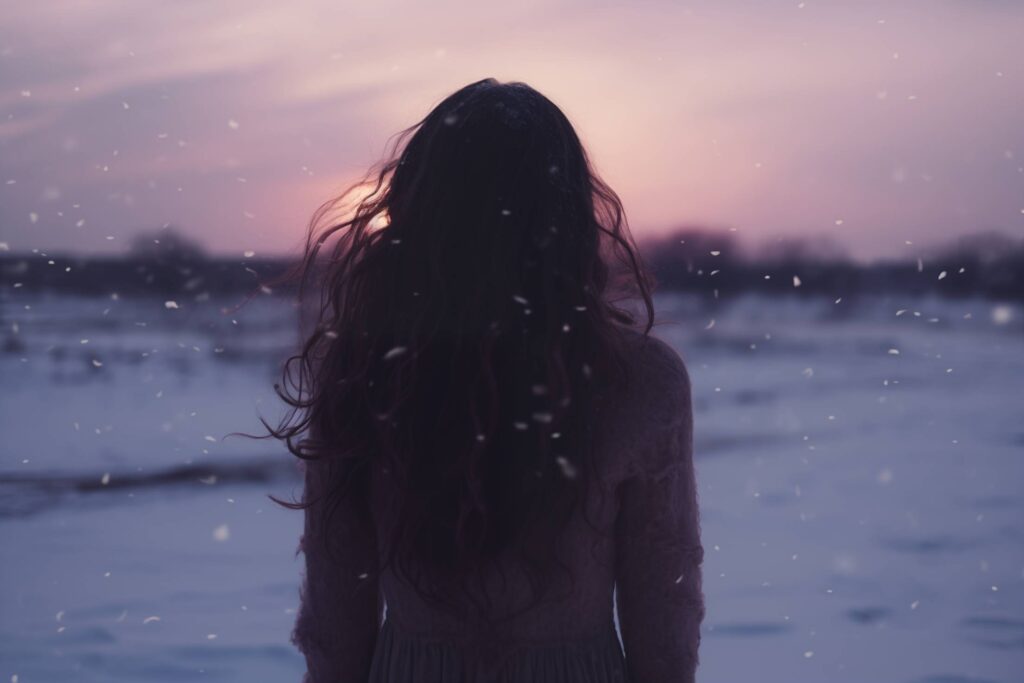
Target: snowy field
(861, 470)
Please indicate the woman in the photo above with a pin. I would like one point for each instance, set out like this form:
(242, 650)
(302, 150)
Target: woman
(490, 447)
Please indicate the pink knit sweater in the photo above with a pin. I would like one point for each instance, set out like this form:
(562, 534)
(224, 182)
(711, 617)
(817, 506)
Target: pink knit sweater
(650, 557)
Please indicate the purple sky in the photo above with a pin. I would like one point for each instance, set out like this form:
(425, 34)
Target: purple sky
(873, 122)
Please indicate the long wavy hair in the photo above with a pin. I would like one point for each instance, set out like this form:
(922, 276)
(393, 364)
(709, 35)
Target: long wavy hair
(465, 330)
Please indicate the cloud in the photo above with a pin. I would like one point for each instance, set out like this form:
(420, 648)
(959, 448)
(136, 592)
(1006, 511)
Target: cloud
(760, 115)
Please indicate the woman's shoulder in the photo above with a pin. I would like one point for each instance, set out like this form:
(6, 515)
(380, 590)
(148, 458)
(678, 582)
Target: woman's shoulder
(659, 371)
(654, 403)
(652, 406)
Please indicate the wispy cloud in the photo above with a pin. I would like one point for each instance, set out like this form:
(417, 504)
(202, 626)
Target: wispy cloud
(234, 119)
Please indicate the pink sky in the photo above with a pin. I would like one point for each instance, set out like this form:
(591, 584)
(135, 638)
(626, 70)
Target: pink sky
(875, 122)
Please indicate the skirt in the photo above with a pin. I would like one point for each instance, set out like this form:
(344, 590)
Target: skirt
(403, 657)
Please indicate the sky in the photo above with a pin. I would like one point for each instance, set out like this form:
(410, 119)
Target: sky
(876, 124)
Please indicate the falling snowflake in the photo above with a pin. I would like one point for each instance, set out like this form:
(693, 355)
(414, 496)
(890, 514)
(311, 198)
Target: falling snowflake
(395, 352)
(1002, 314)
(568, 469)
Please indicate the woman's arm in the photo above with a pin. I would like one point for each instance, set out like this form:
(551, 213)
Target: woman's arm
(659, 552)
(340, 603)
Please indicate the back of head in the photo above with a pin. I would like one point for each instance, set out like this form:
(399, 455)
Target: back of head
(466, 332)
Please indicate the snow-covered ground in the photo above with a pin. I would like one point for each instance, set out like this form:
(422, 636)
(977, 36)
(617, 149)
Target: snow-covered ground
(860, 470)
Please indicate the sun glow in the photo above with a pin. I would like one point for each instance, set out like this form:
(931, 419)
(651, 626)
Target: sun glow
(357, 197)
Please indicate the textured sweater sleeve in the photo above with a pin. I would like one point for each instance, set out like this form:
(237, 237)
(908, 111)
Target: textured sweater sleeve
(658, 545)
(340, 606)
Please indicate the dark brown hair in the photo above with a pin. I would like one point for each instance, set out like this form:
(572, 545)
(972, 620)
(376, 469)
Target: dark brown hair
(465, 330)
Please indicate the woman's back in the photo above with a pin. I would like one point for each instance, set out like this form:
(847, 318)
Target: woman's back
(641, 536)
(491, 445)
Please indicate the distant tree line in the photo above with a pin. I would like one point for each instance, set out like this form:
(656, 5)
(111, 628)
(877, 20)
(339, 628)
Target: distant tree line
(165, 264)
(696, 259)
(690, 259)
